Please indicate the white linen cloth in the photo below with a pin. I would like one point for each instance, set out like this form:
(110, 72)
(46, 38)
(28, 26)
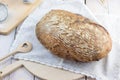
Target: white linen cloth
(107, 68)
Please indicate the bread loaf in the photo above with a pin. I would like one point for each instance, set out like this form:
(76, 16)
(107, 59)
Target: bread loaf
(72, 36)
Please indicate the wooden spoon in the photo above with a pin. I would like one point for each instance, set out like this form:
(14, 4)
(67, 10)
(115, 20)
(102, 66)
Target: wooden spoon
(41, 71)
(22, 48)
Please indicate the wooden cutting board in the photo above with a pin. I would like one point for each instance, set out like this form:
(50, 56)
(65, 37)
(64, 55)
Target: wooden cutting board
(17, 12)
(41, 71)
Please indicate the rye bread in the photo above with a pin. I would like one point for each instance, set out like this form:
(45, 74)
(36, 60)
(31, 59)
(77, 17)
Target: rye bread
(72, 36)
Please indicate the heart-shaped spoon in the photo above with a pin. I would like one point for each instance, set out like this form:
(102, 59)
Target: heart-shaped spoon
(22, 48)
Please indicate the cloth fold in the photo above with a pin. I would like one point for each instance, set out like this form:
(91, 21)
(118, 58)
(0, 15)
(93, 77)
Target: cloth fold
(107, 68)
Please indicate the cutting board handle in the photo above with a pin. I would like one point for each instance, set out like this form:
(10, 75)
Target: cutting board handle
(16, 14)
(10, 68)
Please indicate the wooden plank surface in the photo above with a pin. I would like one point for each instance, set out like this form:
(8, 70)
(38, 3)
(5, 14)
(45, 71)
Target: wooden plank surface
(21, 74)
(108, 7)
(5, 44)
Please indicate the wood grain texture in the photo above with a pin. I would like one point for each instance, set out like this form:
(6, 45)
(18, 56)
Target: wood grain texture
(94, 5)
(4, 64)
(97, 7)
(21, 74)
(5, 44)
(107, 7)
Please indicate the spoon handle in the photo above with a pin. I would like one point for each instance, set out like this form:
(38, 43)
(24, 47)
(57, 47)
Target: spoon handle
(8, 55)
(10, 68)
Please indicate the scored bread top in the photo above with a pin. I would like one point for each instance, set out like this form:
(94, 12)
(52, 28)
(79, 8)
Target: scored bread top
(83, 39)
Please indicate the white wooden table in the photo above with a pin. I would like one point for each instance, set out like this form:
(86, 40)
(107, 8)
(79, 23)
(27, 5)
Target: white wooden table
(109, 7)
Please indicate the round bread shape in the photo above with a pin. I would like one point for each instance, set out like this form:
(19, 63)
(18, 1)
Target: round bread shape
(73, 36)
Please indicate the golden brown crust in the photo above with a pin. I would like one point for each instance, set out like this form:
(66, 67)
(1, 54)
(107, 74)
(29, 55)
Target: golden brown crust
(73, 36)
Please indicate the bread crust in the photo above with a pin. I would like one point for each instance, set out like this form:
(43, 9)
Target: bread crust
(73, 36)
